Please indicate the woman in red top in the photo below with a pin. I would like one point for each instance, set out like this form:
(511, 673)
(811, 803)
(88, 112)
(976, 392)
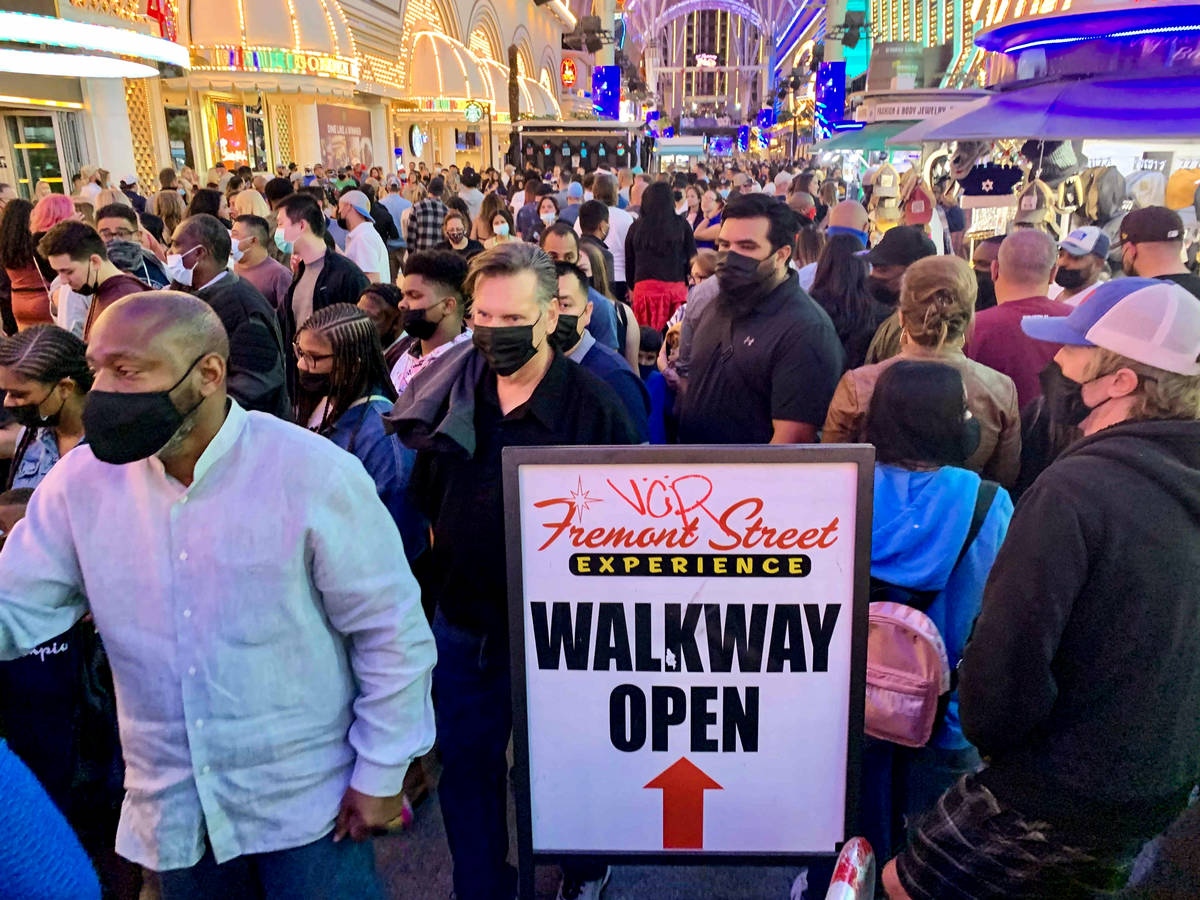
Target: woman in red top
(30, 299)
(658, 252)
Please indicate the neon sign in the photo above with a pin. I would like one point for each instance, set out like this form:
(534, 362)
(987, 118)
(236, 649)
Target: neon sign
(275, 59)
(569, 73)
(706, 60)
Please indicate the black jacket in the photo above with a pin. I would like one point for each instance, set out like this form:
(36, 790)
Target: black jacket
(257, 373)
(340, 281)
(1082, 677)
(646, 261)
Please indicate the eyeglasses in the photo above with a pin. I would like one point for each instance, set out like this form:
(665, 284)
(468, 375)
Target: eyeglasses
(311, 358)
(120, 234)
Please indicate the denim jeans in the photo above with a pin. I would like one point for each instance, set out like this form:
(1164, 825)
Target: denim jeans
(473, 707)
(321, 870)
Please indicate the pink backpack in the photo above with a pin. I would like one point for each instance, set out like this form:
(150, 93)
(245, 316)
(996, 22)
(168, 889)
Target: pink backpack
(908, 669)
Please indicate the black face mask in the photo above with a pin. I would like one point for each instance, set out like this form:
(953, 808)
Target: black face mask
(418, 325)
(342, 223)
(27, 414)
(313, 382)
(986, 296)
(883, 292)
(566, 334)
(506, 348)
(1064, 396)
(123, 428)
(741, 276)
(647, 371)
(88, 287)
(1071, 279)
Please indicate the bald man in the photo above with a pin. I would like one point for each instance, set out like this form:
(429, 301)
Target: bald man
(1022, 273)
(847, 217)
(268, 648)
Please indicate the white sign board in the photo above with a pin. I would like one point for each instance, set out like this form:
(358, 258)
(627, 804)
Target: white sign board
(684, 639)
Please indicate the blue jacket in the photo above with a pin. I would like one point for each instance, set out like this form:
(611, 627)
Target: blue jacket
(388, 462)
(613, 369)
(921, 520)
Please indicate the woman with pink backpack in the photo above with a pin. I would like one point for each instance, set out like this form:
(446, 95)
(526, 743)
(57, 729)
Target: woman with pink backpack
(937, 529)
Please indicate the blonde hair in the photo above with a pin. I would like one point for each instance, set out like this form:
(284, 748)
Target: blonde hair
(414, 193)
(937, 300)
(1161, 394)
(251, 203)
(168, 206)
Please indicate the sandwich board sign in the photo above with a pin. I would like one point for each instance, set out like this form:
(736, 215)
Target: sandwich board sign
(688, 634)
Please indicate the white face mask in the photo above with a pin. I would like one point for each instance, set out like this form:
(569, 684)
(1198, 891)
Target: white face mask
(177, 271)
(237, 252)
(548, 218)
(501, 229)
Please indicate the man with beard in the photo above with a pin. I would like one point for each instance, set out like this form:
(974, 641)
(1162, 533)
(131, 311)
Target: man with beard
(890, 258)
(1082, 259)
(1152, 247)
(764, 358)
(266, 635)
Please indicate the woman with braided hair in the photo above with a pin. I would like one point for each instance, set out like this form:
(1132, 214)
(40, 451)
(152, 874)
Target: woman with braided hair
(57, 707)
(46, 379)
(343, 389)
(937, 305)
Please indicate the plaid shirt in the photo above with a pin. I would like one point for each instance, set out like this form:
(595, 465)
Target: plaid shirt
(425, 224)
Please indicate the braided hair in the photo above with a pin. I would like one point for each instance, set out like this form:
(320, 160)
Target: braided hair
(937, 300)
(358, 366)
(46, 354)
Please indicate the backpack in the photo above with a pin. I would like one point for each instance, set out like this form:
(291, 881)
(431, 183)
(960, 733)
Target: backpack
(908, 670)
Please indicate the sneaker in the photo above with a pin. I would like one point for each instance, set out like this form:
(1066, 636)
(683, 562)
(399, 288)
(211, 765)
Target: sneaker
(584, 890)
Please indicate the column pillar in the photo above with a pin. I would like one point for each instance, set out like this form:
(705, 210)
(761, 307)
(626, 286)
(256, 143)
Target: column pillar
(607, 11)
(307, 140)
(108, 126)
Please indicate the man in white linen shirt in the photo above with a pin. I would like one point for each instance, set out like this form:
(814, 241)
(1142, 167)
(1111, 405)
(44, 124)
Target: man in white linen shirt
(269, 653)
(363, 243)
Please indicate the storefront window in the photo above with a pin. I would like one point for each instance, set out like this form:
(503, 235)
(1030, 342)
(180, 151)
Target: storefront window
(256, 135)
(34, 153)
(231, 136)
(179, 134)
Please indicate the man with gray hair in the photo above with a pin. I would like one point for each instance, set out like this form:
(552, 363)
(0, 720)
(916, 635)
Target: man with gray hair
(199, 263)
(1022, 274)
(508, 388)
(266, 635)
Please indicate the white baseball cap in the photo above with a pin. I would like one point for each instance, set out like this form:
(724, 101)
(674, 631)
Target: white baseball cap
(359, 201)
(1153, 322)
(1083, 241)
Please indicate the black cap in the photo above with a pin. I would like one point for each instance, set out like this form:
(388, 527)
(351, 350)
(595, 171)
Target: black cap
(902, 246)
(1151, 225)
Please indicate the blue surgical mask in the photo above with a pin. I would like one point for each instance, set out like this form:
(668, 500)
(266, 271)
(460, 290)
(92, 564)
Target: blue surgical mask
(284, 245)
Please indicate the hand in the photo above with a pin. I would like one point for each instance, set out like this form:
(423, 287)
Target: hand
(362, 817)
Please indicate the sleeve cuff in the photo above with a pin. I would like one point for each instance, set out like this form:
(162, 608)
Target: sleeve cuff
(376, 780)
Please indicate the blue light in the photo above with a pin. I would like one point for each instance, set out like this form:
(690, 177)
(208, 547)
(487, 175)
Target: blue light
(1136, 32)
(1138, 20)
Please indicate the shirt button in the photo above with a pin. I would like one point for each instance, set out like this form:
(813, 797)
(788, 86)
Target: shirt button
(206, 769)
(187, 613)
(183, 556)
(191, 670)
(199, 723)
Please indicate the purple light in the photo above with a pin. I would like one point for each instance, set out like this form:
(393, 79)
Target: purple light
(1067, 28)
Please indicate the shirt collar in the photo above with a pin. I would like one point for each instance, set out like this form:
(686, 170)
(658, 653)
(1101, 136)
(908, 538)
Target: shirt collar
(220, 275)
(359, 227)
(580, 350)
(231, 429)
(546, 402)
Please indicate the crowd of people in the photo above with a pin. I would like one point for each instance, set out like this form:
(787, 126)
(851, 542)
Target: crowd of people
(254, 562)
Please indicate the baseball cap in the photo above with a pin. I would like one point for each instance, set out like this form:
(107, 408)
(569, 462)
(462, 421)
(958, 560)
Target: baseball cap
(1035, 204)
(1152, 224)
(901, 246)
(1153, 322)
(130, 180)
(575, 190)
(359, 201)
(1083, 241)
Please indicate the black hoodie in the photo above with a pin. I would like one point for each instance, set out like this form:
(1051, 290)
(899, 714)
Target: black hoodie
(1081, 680)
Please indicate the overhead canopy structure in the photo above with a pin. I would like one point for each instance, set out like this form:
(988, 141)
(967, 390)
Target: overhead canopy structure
(441, 67)
(1104, 107)
(645, 18)
(874, 136)
(916, 134)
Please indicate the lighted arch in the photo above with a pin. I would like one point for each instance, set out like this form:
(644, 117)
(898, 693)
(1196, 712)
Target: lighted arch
(485, 41)
(687, 7)
(521, 38)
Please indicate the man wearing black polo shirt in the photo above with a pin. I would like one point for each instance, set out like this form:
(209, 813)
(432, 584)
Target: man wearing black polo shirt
(765, 358)
(508, 388)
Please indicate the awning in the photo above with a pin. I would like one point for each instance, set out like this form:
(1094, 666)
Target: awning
(1106, 107)
(870, 137)
(442, 68)
(542, 104)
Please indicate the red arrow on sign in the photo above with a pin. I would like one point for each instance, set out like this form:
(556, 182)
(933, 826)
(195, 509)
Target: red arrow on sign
(683, 786)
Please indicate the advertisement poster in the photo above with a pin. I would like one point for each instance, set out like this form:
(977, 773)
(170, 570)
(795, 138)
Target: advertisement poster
(345, 136)
(688, 639)
(231, 136)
